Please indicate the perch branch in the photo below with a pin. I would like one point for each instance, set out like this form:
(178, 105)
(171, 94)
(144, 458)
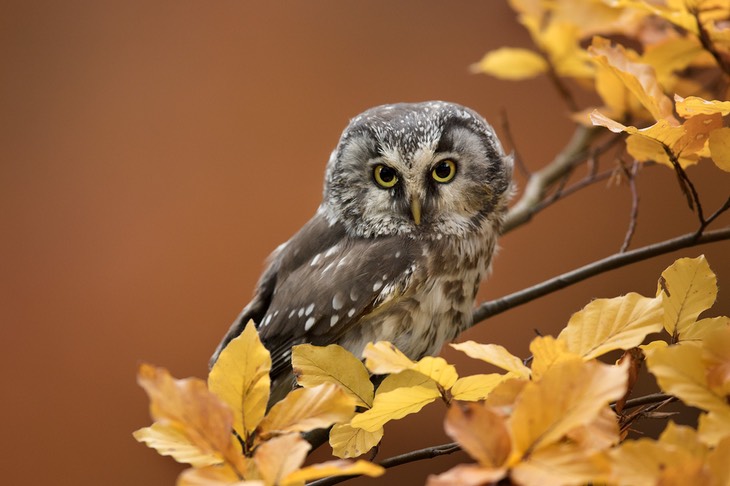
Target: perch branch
(618, 260)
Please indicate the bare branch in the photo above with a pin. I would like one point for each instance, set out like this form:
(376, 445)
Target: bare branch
(413, 456)
(507, 133)
(618, 260)
(540, 181)
(714, 216)
(708, 45)
(631, 175)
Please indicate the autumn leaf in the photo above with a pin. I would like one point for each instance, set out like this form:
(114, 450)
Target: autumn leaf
(214, 476)
(240, 377)
(171, 440)
(719, 143)
(608, 324)
(396, 404)
(190, 417)
(642, 461)
(713, 427)
(600, 434)
(546, 352)
(383, 357)
(467, 475)
(404, 379)
(716, 359)
(278, 457)
(694, 105)
(314, 365)
(697, 331)
(564, 464)
(481, 432)
(306, 409)
(639, 79)
(348, 441)
(476, 387)
(686, 288)
(680, 372)
(438, 370)
(511, 63)
(569, 394)
(334, 468)
(494, 354)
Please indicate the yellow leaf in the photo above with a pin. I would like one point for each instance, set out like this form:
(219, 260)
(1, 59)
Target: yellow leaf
(383, 357)
(598, 435)
(504, 396)
(279, 457)
(481, 432)
(396, 404)
(672, 55)
(693, 105)
(169, 440)
(196, 413)
(683, 437)
(720, 148)
(347, 441)
(306, 409)
(467, 475)
(569, 394)
(547, 351)
(697, 130)
(334, 468)
(240, 377)
(680, 372)
(494, 354)
(608, 324)
(476, 387)
(564, 464)
(652, 345)
(713, 427)
(314, 365)
(717, 360)
(645, 149)
(404, 379)
(698, 330)
(642, 461)
(511, 63)
(718, 463)
(639, 79)
(438, 370)
(213, 476)
(687, 287)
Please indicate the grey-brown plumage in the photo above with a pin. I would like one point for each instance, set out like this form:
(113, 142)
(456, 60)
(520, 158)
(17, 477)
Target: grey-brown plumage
(413, 201)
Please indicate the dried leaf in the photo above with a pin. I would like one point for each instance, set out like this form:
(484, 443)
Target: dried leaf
(694, 105)
(279, 457)
(598, 435)
(348, 442)
(306, 409)
(170, 440)
(476, 387)
(494, 354)
(467, 475)
(719, 143)
(383, 357)
(683, 437)
(314, 365)
(240, 378)
(334, 468)
(688, 287)
(680, 372)
(570, 394)
(608, 324)
(718, 463)
(396, 404)
(717, 360)
(481, 432)
(511, 63)
(564, 464)
(193, 411)
(214, 476)
(714, 426)
(404, 379)
(438, 370)
(697, 331)
(546, 352)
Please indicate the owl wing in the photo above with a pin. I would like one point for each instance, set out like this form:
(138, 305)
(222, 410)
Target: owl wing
(320, 283)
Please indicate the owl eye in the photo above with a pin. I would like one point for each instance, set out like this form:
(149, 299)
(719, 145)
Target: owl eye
(444, 171)
(385, 176)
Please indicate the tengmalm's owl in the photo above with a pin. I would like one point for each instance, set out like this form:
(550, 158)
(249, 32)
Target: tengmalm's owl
(414, 197)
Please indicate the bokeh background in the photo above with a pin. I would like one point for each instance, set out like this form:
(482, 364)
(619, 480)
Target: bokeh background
(152, 153)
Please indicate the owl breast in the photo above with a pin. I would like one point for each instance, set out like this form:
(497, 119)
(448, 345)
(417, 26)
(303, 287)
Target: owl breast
(438, 298)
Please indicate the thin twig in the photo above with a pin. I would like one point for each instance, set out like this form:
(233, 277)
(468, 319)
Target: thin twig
(713, 216)
(507, 132)
(685, 184)
(540, 181)
(708, 45)
(631, 175)
(585, 182)
(413, 456)
(645, 400)
(618, 260)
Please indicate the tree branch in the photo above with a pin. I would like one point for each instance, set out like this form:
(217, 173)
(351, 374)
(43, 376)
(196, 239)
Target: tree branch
(540, 181)
(618, 260)
(413, 456)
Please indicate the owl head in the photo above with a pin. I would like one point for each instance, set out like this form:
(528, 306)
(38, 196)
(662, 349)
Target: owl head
(418, 169)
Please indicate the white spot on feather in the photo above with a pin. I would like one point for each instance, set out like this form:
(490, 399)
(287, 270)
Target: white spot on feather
(308, 325)
(309, 309)
(337, 301)
(334, 319)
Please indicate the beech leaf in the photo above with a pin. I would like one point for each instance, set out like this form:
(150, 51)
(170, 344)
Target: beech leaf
(277, 458)
(494, 354)
(348, 441)
(240, 378)
(476, 387)
(314, 365)
(511, 63)
(333, 468)
(170, 440)
(396, 404)
(719, 143)
(563, 464)
(480, 431)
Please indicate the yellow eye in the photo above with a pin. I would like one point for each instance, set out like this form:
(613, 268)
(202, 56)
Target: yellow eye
(385, 176)
(444, 171)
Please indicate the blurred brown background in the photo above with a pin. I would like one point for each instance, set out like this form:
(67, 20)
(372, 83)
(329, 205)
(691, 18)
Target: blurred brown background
(151, 155)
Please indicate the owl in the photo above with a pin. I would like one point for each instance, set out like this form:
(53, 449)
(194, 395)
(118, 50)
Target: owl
(414, 197)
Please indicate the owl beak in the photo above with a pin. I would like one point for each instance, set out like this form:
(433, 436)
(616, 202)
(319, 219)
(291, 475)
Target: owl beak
(416, 209)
